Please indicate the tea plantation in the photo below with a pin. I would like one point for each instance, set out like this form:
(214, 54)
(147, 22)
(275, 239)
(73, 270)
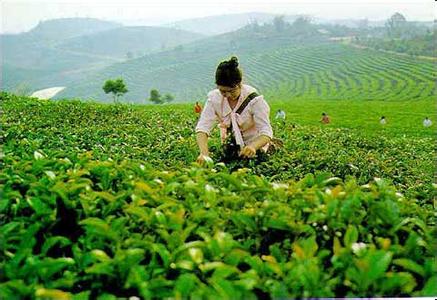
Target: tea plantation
(104, 201)
(285, 68)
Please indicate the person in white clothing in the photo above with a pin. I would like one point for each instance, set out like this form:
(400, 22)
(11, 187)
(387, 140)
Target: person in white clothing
(280, 115)
(242, 115)
(382, 121)
(427, 122)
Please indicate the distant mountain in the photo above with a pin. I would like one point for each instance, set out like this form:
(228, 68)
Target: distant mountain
(129, 42)
(59, 51)
(214, 25)
(65, 28)
(37, 64)
(36, 49)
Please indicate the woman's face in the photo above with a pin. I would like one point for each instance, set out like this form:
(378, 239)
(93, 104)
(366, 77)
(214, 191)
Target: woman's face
(231, 93)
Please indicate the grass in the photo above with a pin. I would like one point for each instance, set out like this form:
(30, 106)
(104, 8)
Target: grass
(403, 118)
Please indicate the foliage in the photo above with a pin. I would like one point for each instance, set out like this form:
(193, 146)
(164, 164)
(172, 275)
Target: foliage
(116, 87)
(396, 24)
(401, 36)
(168, 98)
(157, 98)
(103, 201)
(414, 46)
(279, 23)
(23, 89)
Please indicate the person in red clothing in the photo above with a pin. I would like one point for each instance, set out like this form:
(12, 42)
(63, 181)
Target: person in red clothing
(197, 108)
(325, 119)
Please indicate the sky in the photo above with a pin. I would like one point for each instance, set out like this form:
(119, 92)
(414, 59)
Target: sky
(22, 15)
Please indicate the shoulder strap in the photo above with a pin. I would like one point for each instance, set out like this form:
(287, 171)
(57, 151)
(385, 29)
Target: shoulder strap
(246, 102)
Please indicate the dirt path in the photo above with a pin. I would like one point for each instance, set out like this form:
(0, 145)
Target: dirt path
(47, 93)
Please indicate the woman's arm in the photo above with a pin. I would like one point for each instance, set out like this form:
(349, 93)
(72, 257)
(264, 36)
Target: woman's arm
(250, 150)
(202, 142)
(260, 142)
(261, 112)
(206, 121)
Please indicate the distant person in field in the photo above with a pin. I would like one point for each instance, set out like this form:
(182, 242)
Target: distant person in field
(325, 119)
(242, 114)
(197, 108)
(382, 121)
(280, 115)
(427, 122)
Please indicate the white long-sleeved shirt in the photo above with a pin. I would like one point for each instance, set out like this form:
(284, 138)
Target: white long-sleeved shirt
(253, 121)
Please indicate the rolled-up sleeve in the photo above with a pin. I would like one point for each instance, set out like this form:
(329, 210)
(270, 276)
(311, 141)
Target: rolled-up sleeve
(208, 118)
(261, 113)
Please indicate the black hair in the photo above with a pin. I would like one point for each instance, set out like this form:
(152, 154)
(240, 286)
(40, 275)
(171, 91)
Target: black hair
(228, 73)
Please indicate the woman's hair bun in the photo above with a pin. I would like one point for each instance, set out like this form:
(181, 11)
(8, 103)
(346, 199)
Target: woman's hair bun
(228, 73)
(233, 62)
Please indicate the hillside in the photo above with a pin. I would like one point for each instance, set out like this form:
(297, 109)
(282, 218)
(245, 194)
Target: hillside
(283, 61)
(62, 51)
(65, 28)
(129, 42)
(31, 58)
(214, 25)
(295, 63)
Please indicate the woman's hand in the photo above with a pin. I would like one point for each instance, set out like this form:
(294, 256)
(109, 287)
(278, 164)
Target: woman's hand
(248, 152)
(202, 158)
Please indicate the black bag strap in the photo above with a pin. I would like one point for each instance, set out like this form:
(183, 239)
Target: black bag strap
(246, 102)
(241, 108)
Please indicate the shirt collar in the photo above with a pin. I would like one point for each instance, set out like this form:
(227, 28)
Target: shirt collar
(226, 109)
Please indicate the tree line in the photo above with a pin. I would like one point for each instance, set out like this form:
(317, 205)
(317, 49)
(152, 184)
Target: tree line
(118, 88)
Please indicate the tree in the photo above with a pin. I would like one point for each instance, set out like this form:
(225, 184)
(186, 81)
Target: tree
(254, 25)
(23, 89)
(395, 24)
(302, 25)
(116, 87)
(279, 23)
(363, 24)
(155, 97)
(129, 55)
(302, 22)
(168, 98)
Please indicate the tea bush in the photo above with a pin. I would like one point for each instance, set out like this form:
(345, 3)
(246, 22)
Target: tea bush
(105, 202)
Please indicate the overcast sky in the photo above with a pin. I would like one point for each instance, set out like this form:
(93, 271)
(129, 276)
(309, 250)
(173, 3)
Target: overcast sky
(22, 15)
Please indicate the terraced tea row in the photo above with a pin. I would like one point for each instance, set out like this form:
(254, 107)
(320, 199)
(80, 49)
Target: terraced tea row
(317, 71)
(338, 73)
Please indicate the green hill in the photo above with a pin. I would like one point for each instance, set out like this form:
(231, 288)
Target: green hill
(296, 63)
(32, 58)
(24, 59)
(65, 28)
(58, 52)
(128, 42)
